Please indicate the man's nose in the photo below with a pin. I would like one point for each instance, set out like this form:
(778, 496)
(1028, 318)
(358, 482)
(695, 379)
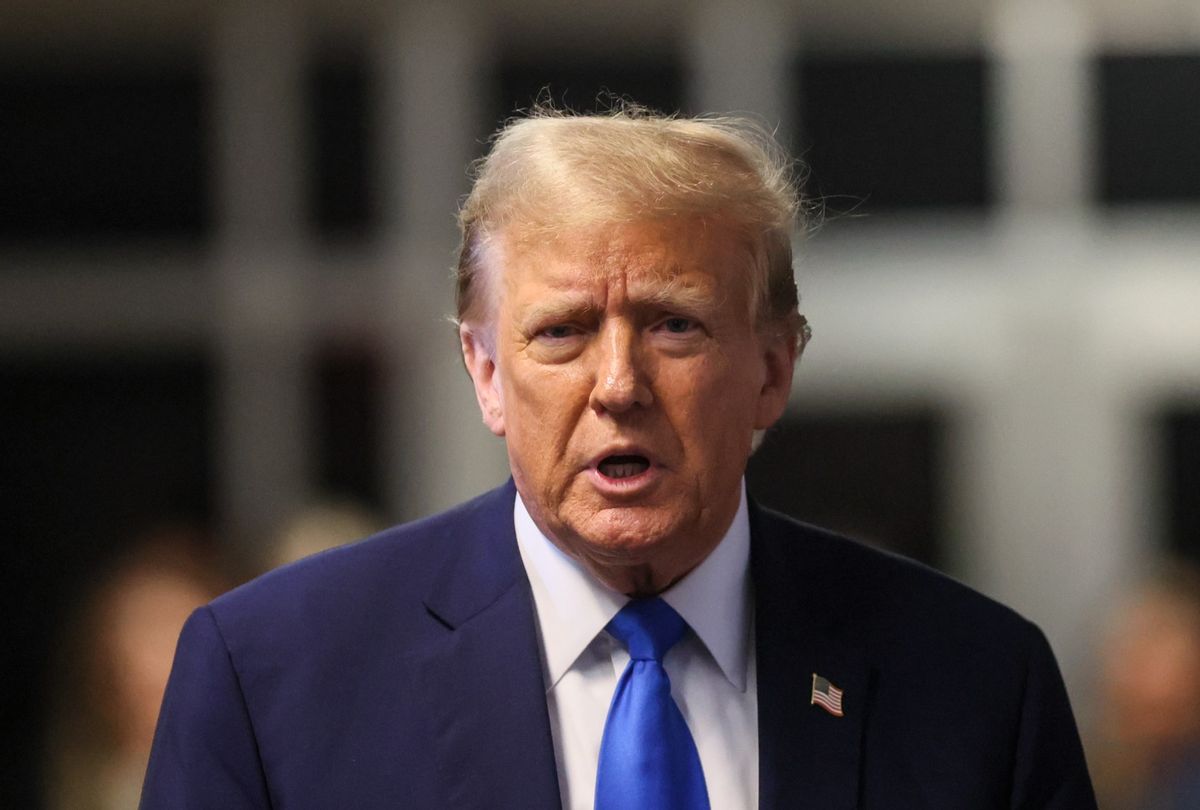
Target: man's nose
(621, 382)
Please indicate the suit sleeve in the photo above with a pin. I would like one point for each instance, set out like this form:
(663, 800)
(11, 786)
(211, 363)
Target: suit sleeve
(1050, 770)
(205, 754)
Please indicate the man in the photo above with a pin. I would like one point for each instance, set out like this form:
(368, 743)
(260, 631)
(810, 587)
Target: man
(619, 626)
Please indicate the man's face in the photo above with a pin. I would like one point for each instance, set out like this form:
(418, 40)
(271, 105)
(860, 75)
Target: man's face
(628, 378)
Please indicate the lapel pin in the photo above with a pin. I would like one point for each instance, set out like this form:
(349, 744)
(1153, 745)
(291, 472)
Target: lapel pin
(827, 696)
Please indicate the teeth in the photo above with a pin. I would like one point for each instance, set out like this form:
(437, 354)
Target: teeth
(623, 466)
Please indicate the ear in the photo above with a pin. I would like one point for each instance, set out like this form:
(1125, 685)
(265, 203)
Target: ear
(778, 353)
(479, 359)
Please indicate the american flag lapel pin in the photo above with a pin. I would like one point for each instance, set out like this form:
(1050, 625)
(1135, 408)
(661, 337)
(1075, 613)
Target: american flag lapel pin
(827, 696)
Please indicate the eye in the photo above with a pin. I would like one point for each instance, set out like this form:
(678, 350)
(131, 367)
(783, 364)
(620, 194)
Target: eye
(558, 331)
(677, 325)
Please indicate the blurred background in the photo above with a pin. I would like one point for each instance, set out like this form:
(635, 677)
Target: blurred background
(226, 230)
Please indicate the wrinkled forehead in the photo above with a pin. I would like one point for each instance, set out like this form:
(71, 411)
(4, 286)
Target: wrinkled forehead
(657, 255)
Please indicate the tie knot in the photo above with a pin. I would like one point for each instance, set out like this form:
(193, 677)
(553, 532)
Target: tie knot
(647, 628)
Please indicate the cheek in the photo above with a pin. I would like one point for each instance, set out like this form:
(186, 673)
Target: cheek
(547, 393)
(720, 388)
(542, 411)
(712, 406)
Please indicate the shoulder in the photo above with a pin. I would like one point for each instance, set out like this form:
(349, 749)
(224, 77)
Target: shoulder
(327, 660)
(952, 676)
(891, 602)
(339, 597)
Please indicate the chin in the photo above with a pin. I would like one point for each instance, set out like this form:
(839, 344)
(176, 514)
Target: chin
(627, 534)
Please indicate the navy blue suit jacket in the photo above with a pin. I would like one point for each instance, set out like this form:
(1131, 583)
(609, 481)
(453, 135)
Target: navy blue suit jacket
(404, 672)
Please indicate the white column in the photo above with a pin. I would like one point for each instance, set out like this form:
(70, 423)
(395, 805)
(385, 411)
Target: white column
(260, 266)
(740, 58)
(437, 451)
(1046, 485)
(1043, 88)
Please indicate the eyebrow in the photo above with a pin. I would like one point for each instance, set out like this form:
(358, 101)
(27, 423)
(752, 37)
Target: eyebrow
(684, 298)
(667, 291)
(676, 294)
(688, 298)
(559, 309)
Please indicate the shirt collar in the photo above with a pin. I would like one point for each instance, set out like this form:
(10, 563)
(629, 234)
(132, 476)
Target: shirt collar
(573, 607)
(715, 598)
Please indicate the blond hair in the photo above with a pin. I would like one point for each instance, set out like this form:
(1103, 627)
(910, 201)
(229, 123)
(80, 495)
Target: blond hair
(552, 171)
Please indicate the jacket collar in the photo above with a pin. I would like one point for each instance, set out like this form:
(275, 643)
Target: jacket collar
(483, 676)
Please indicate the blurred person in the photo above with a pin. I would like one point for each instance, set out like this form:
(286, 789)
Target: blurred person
(113, 669)
(325, 524)
(620, 625)
(1147, 744)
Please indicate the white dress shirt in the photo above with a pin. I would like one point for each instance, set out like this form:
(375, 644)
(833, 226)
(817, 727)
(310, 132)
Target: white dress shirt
(711, 669)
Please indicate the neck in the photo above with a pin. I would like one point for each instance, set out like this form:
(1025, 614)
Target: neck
(639, 578)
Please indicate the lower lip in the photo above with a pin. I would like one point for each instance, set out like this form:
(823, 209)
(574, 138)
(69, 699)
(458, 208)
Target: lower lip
(625, 487)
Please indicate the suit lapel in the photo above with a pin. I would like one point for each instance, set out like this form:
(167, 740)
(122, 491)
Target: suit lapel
(807, 756)
(483, 678)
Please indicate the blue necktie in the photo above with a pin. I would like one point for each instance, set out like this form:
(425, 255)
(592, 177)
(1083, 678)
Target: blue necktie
(648, 759)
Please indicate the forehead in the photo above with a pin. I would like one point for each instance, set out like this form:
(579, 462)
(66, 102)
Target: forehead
(651, 258)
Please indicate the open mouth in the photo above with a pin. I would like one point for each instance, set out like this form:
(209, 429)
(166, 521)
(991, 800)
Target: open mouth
(623, 466)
